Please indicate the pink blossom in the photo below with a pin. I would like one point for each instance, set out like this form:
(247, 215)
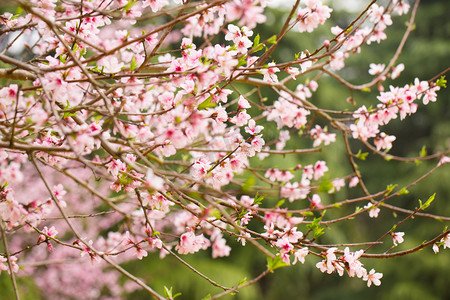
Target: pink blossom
(294, 72)
(4, 265)
(300, 254)
(444, 160)
(384, 141)
(435, 248)
(269, 73)
(397, 70)
(241, 118)
(190, 243)
(401, 7)
(153, 181)
(294, 191)
(376, 69)
(110, 64)
(305, 63)
(155, 5)
(397, 237)
(373, 277)
(316, 202)
(373, 210)
(319, 169)
(353, 181)
(219, 248)
(252, 128)
(52, 232)
(140, 253)
(337, 183)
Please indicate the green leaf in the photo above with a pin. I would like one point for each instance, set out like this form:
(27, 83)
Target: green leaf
(133, 64)
(361, 155)
(68, 114)
(427, 204)
(366, 90)
(242, 281)
(207, 297)
(248, 184)
(403, 191)
(62, 58)
(325, 186)
(390, 188)
(242, 61)
(423, 151)
(442, 82)
(318, 232)
(307, 213)
(258, 199)
(129, 5)
(388, 157)
(168, 293)
(272, 39)
(258, 48)
(206, 104)
(273, 264)
(256, 40)
(279, 203)
(19, 10)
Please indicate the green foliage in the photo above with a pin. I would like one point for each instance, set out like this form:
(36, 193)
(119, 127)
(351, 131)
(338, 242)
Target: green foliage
(275, 263)
(442, 82)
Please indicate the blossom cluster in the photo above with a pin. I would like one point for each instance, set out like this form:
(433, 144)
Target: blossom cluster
(130, 135)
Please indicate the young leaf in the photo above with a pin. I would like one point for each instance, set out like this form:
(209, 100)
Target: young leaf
(428, 202)
(403, 191)
(272, 39)
(273, 264)
(133, 64)
(207, 104)
(361, 155)
(442, 82)
(256, 40)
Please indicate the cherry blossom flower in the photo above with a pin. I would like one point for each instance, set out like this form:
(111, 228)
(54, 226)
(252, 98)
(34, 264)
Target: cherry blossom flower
(219, 248)
(252, 128)
(319, 169)
(155, 5)
(373, 210)
(353, 181)
(52, 232)
(384, 141)
(294, 72)
(190, 243)
(397, 237)
(397, 70)
(153, 181)
(111, 64)
(337, 183)
(294, 191)
(376, 69)
(269, 73)
(4, 265)
(316, 202)
(300, 254)
(373, 277)
(401, 7)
